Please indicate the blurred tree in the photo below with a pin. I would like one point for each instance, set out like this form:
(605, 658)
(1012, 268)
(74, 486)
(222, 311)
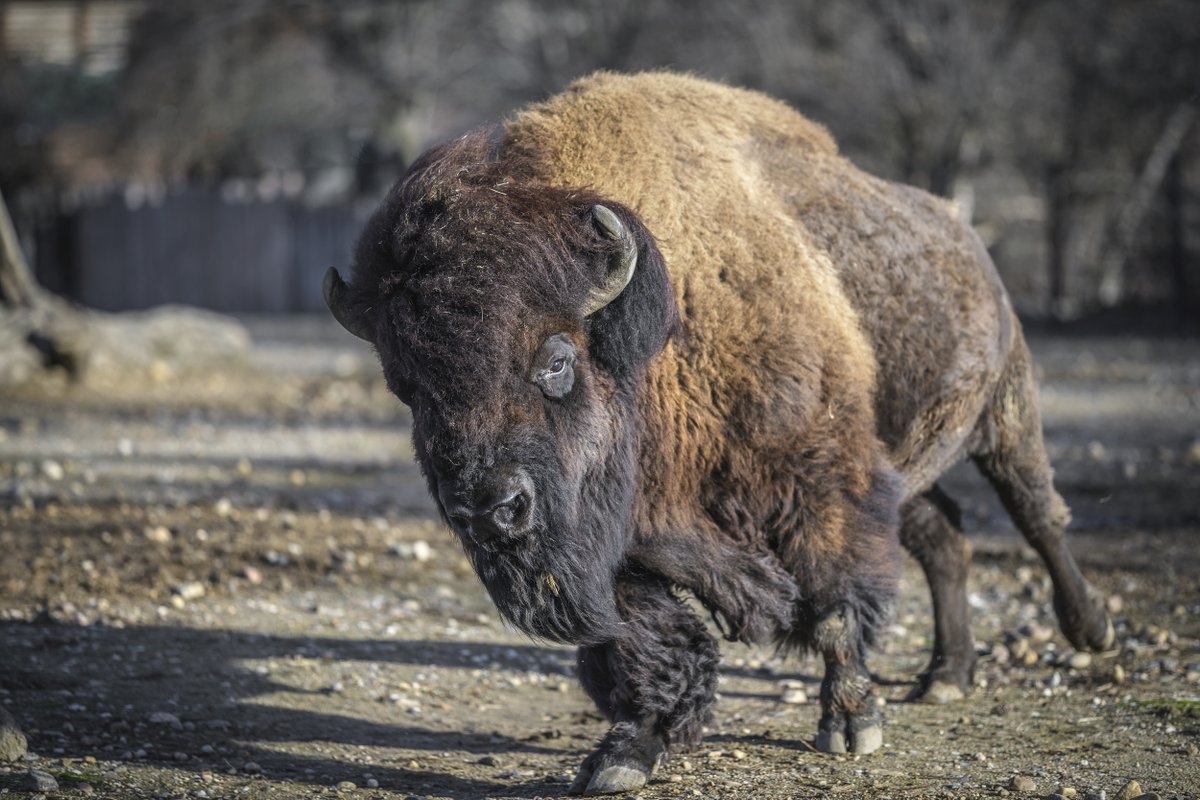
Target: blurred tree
(1055, 125)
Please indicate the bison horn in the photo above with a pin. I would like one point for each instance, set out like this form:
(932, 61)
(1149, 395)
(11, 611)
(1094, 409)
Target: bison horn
(335, 297)
(622, 265)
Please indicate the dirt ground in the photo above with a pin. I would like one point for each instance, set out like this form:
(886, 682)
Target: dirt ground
(232, 585)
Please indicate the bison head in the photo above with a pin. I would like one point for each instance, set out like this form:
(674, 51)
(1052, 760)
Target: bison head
(516, 319)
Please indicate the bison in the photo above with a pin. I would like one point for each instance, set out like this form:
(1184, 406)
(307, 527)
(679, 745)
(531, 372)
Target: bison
(659, 337)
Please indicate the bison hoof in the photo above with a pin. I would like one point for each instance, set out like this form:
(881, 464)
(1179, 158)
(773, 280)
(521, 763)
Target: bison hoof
(850, 733)
(1088, 628)
(949, 682)
(614, 779)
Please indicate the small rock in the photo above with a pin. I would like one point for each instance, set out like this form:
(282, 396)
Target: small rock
(165, 718)
(12, 742)
(1129, 791)
(159, 534)
(346, 786)
(713, 755)
(52, 470)
(1192, 750)
(490, 761)
(1079, 661)
(37, 781)
(1001, 654)
(252, 574)
(372, 783)
(421, 551)
(1100, 795)
(1067, 791)
(190, 590)
(1115, 604)
(1118, 674)
(738, 755)
(1022, 783)
(251, 767)
(1038, 633)
(795, 697)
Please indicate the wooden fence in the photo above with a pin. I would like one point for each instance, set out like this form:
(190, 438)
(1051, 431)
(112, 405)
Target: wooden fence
(198, 248)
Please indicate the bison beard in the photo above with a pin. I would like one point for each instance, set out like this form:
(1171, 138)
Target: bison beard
(658, 335)
(559, 583)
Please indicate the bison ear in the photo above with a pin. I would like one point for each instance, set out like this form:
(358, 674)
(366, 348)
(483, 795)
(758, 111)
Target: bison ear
(635, 310)
(335, 297)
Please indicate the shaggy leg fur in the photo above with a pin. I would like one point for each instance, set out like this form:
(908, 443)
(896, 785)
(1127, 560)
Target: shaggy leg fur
(656, 684)
(1013, 458)
(850, 720)
(932, 531)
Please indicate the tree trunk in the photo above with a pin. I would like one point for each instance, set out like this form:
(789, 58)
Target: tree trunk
(34, 324)
(1131, 214)
(39, 331)
(17, 286)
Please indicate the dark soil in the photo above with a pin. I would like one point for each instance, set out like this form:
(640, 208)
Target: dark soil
(232, 585)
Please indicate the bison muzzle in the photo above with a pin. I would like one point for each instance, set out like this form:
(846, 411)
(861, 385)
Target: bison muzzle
(658, 337)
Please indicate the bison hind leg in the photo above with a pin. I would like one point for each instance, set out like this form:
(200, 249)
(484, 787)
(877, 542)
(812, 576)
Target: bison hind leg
(932, 532)
(1012, 456)
(851, 721)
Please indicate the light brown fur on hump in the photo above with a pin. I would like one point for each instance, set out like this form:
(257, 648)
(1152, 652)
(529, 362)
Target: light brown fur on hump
(756, 303)
(866, 293)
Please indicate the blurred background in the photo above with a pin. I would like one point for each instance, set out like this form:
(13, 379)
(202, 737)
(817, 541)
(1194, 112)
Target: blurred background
(223, 154)
(220, 564)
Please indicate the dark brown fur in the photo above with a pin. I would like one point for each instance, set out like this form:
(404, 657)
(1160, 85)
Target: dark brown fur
(801, 352)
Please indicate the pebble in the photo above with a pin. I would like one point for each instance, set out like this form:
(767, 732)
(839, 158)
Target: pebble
(252, 574)
(490, 761)
(1038, 633)
(372, 783)
(37, 781)
(165, 718)
(1129, 791)
(1115, 604)
(346, 786)
(53, 470)
(1118, 674)
(1079, 661)
(159, 534)
(792, 693)
(1067, 791)
(794, 697)
(12, 742)
(190, 590)
(251, 766)
(738, 755)
(1022, 783)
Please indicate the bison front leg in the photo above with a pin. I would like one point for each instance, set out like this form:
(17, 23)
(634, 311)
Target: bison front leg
(656, 684)
(850, 719)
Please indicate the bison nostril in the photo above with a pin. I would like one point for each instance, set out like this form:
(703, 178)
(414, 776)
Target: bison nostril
(508, 514)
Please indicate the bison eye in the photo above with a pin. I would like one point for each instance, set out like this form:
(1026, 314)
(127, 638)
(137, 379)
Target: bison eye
(553, 368)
